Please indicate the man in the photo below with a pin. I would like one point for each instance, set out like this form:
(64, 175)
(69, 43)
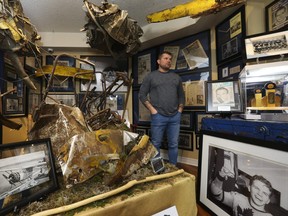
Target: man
(222, 95)
(260, 192)
(165, 103)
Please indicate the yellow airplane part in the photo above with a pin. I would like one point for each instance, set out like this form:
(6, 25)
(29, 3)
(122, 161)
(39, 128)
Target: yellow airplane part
(65, 71)
(193, 9)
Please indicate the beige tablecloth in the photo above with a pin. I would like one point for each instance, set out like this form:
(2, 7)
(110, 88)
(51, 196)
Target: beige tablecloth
(149, 198)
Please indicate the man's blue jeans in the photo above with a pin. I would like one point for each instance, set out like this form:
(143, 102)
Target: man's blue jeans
(171, 124)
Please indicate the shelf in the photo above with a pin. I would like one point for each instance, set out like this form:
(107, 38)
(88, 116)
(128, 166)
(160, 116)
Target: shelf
(267, 108)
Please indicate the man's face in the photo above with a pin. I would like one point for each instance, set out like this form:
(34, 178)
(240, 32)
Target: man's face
(260, 194)
(165, 62)
(281, 15)
(222, 95)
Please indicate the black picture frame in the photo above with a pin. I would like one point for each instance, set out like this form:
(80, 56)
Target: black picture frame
(230, 70)
(141, 130)
(27, 173)
(14, 103)
(63, 61)
(185, 140)
(276, 15)
(230, 35)
(199, 43)
(187, 120)
(199, 115)
(143, 63)
(224, 97)
(269, 160)
(194, 88)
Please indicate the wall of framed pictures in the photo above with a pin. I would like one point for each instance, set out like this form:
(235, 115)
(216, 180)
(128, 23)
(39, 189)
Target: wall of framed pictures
(230, 46)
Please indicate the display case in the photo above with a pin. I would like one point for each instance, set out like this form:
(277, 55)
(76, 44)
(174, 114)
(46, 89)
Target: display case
(264, 88)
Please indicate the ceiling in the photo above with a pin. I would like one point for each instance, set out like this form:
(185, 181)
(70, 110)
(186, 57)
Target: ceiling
(68, 15)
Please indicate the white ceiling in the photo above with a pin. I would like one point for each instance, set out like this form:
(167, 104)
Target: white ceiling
(68, 16)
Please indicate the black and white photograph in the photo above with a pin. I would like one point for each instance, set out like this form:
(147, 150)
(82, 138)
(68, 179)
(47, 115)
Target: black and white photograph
(22, 172)
(237, 181)
(186, 140)
(187, 120)
(230, 48)
(266, 45)
(276, 15)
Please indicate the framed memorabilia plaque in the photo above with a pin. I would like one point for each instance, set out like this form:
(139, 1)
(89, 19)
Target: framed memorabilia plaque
(230, 36)
(276, 15)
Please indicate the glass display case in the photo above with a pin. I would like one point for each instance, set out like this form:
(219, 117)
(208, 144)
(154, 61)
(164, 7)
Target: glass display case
(265, 90)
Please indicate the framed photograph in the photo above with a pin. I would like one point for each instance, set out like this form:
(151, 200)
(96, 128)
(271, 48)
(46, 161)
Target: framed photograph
(199, 115)
(236, 173)
(14, 103)
(27, 173)
(194, 88)
(194, 52)
(67, 99)
(141, 115)
(276, 15)
(223, 97)
(141, 130)
(143, 63)
(63, 61)
(61, 84)
(186, 140)
(187, 120)
(230, 36)
(266, 45)
(230, 69)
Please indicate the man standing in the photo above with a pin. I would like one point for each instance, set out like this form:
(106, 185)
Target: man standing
(165, 103)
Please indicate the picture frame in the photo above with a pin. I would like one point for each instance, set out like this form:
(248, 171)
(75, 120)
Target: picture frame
(62, 61)
(194, 52)
(266, 45)
(194, 88)
(27, 173)
(230, 35)
(276, 15)
(230, 70)
(187, 120)
(185, 140)
(14, 103)
(141, 115)
(143, 63)
(199, 115)
(141, 130)
(246, 158)
(67, 99)
(224, 97)
(60, 84)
